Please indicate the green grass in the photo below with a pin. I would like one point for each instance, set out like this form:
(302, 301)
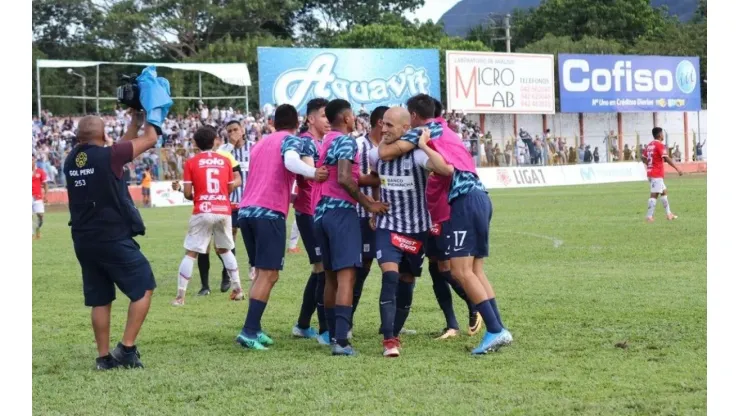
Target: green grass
(614, 279)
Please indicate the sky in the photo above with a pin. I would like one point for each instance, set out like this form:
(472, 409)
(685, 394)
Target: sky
(433, 9)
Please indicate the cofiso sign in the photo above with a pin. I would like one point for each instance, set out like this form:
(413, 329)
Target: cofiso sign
(604, 83)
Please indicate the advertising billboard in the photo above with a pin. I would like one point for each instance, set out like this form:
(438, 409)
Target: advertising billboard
(364, 77)
(623, 83)
(500, 83)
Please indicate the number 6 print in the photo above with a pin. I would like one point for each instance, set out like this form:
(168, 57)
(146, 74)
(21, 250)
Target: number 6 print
(212, 181)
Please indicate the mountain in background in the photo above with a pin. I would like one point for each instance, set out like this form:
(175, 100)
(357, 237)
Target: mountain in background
(468, 13)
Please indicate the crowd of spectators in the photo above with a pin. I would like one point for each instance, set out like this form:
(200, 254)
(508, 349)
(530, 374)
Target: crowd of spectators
(53, 137)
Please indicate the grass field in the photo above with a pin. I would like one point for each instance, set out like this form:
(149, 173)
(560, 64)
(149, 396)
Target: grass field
(610, 278)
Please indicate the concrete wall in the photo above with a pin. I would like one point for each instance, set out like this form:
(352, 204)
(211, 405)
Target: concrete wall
(597, 125)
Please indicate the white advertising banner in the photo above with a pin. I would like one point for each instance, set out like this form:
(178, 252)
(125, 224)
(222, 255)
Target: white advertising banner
(584, 174)
(500, 83)
(164, 196)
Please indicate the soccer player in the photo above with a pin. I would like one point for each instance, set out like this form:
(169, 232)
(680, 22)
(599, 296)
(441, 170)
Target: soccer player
(313, 294)
(39, 190)
(104, 221)
(439, 208)
(275, 160)
(208, 180)
(470, 216)
(239, 148)
(401, 232)
(204, 259)
(336, 224)
(365, 145)
(436, 248)
(653, 157)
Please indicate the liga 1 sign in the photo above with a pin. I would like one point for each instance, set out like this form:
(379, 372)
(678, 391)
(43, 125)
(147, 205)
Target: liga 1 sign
(500, 83)
(543, 176)
(364, 77)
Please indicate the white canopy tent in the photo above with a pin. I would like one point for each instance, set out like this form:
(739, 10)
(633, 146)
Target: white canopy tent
(232, 73)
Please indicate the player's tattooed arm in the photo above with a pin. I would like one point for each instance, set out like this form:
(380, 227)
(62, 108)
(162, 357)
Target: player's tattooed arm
(348, 183)
(370, 180)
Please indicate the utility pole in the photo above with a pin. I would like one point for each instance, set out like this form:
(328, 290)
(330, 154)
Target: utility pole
(507, 30)
(507, 27)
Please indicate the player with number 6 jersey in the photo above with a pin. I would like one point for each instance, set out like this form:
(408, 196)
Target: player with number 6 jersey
(208, 181)
(653, 157)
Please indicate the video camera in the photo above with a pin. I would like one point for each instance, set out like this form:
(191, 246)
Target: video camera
(128, 93)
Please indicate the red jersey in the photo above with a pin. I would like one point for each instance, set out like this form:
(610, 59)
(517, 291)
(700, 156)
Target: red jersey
(654, 153)
(210, 173)
(37, 183)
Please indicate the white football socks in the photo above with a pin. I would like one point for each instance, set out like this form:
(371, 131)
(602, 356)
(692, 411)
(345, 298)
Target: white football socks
(664, 200)
(232, 268)
(651, 207)
(293, 236)
(186, 272)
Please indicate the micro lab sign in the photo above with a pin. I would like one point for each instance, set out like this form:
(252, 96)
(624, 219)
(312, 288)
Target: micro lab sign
(621, 83)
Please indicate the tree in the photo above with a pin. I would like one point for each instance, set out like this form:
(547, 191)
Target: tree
(62, 24)
(407, 36)
(179, 29)
(625, 21)
(344, 14)
(554, 45)
(227, 50)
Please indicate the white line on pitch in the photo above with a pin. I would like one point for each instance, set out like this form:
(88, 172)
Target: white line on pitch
(556, 242)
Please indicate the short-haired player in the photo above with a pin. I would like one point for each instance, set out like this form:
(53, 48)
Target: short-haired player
(39, 190)
(654, 155)
(208, 180)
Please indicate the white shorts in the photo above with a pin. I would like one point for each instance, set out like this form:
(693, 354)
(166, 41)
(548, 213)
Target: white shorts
(202, 226)
(37, 206)
(657, 186)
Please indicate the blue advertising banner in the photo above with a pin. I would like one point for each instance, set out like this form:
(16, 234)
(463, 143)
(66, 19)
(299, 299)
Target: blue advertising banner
(624, 83)
(364, 77)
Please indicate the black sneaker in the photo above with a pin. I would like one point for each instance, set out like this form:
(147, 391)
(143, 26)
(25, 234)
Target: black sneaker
(106, 363)
(225, 285)
(127, 359)
(204, 292)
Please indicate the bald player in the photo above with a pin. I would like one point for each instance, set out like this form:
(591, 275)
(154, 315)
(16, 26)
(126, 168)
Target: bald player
(104, 221)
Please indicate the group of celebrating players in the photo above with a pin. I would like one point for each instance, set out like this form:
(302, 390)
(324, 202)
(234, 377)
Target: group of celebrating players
(405, 191)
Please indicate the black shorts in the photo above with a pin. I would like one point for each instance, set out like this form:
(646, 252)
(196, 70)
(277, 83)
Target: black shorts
(437, 245)
(468, 228)
(106, 265)
(410, 258)
(368, 239)
(234, 220)
(264, 240)
(305, 228)
(146, 191)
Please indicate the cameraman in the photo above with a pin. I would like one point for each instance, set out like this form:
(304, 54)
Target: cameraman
(104, 221)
